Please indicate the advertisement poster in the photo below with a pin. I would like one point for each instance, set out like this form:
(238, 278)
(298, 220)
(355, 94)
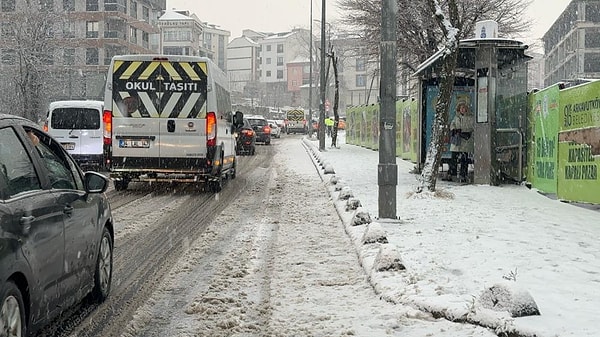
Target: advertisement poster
(464, 93)
(545, 139)
(399, 128)
(579, 143)
(406, 129)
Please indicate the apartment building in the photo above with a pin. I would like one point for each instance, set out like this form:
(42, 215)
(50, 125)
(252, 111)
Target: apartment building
(214, 44)
(70, 43)
(181, 33)
(358, 72)
(572, 44)
(243, 57)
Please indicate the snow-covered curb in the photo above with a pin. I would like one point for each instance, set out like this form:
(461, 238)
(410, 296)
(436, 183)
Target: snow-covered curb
(383, 264)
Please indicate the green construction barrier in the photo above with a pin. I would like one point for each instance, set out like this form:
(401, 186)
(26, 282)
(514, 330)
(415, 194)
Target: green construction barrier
(543, 159)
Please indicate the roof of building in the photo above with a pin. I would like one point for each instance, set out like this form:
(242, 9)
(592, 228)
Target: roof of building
(174, 15)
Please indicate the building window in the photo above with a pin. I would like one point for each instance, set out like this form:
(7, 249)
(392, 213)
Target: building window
(91, 5)
(69, 56)
(91, 31)
(46, 5)
(361, 81)
(177, 35)
(145, 39)
(280, 48)
(133, 10)
(268, 60)
(69, 30)
(9, 56)
(69, 5)
(279, 61)
(133, 35)
(109, 52)
(591, 63)
(592, 12)
(8, 5)
(268, 72)
(145, 14)
(592, 38)
(279, 74)
(112, 6)
(269, 47)
(91, 56)
(360, 64)
(6, 30)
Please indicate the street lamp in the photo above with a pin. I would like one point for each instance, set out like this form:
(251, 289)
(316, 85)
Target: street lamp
(310, 74)
(321, 131)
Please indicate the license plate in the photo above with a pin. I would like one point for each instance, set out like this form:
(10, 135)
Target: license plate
(68, 146)
(134, 143)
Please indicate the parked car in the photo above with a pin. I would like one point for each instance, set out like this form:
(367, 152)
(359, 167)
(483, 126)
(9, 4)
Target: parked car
(261, 128)
(275, 129)
(245, 139)
(56, 229)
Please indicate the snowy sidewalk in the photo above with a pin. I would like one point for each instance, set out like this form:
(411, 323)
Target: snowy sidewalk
(466, 239)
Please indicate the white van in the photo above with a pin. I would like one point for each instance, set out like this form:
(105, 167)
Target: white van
(170, 120)
(295, 122)
(78, 126)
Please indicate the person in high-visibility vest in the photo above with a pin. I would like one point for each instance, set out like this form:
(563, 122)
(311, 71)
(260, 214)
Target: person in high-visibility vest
(329, 124)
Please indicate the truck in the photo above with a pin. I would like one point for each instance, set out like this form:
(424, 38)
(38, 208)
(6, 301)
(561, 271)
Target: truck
(168, 118)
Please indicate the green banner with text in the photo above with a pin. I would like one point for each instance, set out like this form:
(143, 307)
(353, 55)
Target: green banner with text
(579, 143)
(545, 139)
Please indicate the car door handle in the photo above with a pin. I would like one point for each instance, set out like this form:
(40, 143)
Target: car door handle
(26, 222)
(68, 210)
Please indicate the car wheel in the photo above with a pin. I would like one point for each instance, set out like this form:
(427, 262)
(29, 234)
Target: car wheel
(216, 185)
(103, 274)
(12, 313)
(233, 170)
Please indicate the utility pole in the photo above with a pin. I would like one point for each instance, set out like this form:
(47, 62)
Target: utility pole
(387, 169)
(310, 71)
(321, 132)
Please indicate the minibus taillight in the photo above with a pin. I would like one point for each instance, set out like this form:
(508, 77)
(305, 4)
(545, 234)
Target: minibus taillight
(211, 129)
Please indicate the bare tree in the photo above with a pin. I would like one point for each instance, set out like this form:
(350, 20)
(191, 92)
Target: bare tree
(450, 27)
(419, 35)
(30, 56)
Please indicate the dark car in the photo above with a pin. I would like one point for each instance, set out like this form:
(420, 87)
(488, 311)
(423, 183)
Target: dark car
(56, 229)
(260, 125)
(245, 139)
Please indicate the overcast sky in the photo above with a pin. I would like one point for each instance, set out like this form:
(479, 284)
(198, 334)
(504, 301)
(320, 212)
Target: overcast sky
(260, 15)
(282, 15)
